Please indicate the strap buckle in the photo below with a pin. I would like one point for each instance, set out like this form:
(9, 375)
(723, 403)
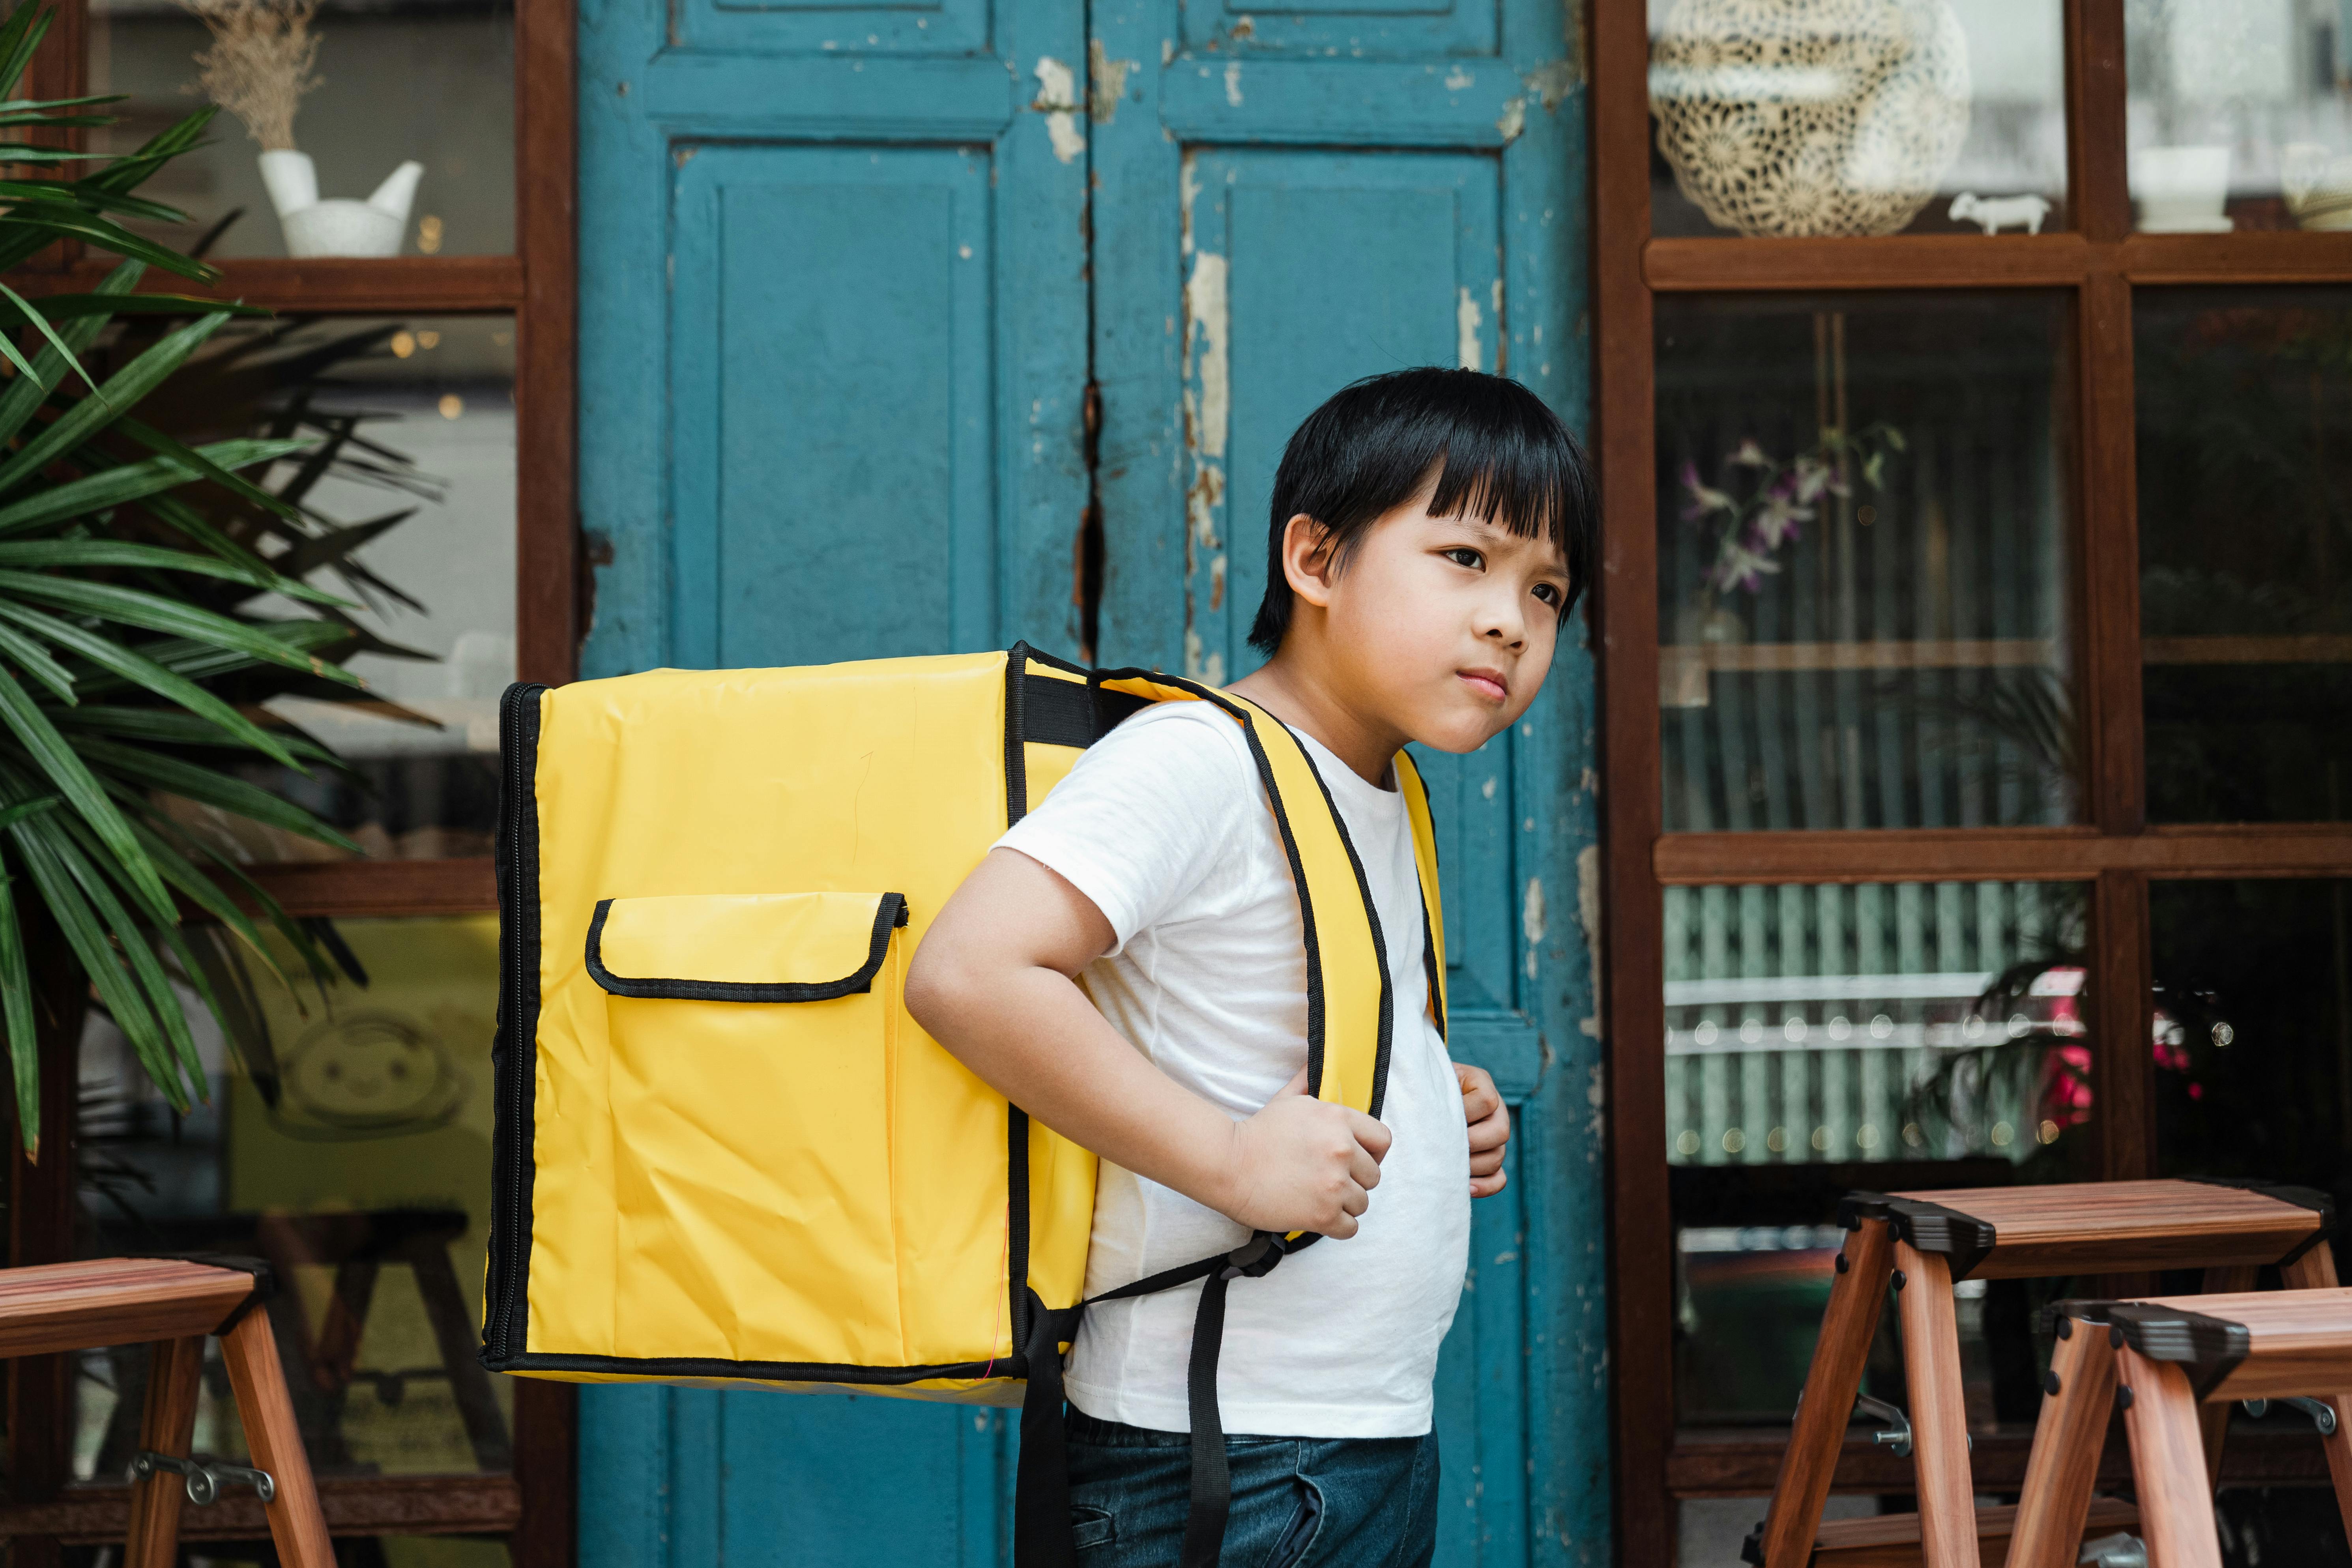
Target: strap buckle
(1255, 1258)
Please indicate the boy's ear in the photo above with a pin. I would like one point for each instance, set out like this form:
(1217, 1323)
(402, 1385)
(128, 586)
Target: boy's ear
(1308, 559)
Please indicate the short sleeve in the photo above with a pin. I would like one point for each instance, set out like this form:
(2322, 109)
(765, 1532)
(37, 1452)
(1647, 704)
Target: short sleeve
(1147, 814)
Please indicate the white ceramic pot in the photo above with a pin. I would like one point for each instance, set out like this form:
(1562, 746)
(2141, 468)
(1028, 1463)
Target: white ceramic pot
(2317, 183)
(338, 227)
(2180, 189)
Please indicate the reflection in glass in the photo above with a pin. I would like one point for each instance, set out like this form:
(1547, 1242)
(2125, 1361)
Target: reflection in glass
(1862, 579)
(419, 415)
(2244, 408)
(2240, 114)
(432, 83)
(347, 1141)
(1893, 1036)
(1849, 116)
(2254, 1030)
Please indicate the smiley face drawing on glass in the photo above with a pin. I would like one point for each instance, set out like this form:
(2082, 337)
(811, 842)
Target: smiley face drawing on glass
(370, 1075)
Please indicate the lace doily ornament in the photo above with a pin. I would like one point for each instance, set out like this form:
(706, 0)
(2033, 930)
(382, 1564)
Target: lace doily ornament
(1809, 117)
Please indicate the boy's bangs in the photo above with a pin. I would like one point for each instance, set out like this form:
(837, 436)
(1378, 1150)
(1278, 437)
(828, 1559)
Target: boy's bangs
(1497, 485)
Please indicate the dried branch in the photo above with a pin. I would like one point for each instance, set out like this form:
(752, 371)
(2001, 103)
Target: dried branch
(259, 65)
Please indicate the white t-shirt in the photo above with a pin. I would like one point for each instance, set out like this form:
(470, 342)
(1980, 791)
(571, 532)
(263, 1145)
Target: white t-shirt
(1163, 823)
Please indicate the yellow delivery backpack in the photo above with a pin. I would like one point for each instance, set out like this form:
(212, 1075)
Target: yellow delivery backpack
(724, 1153)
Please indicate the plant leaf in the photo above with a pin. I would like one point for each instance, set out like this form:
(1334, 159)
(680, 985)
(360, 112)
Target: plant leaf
(39, 844)
(115, 486)
(137, 607)
(154, 440)
(208, 895)
(97, 872)
(213, 788)
(69, 306)
(133, 666)
(122, 390)
(16, 1003)
(71, 777)
(20, 37)
(24, 397)
(39, 663)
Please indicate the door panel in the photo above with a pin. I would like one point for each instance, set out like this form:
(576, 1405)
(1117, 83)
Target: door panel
(815, 285)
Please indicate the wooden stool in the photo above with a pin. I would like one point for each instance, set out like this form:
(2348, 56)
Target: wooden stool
(2172, 1363)
(1922, 1242)
(173, 1304)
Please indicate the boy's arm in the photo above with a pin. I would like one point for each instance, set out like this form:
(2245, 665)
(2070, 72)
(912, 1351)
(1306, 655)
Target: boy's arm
(994, 983)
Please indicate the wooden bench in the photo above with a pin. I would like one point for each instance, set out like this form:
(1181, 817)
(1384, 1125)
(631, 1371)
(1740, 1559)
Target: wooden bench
(1921, 1243)
(173, 1304)
(2170, 1362)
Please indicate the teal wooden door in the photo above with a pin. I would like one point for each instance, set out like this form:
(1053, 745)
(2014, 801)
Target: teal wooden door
(843, 296)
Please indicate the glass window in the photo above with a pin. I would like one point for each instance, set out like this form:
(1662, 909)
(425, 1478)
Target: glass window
(2241, 114)
(1864, 579)
(393, 84)
(347, 1141)
(2254, 1030)
(2245, 528)
(1854, 117)
(420, 415)
(1818, 1039)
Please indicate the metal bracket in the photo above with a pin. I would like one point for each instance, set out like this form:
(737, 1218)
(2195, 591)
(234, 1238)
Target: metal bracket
(204, 1480)
(1897, 1436)
(2323, 1415)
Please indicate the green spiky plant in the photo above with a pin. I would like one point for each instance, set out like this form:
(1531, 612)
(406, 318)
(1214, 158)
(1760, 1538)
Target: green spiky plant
(112, 642)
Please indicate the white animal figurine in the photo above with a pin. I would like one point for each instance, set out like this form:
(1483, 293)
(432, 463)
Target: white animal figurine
(1997, 212)
(341, 227)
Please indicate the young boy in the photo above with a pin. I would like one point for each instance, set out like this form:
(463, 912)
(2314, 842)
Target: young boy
(1430, 530)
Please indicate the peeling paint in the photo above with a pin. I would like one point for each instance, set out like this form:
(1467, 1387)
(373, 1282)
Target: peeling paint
(1200, 502)
(1466, 317)
(1596, 1096)
(1217, 585)
(1587, 915)
(1206, 322)
(1188, 186)
(1234, 83)
(1106, 83)
(1243, 30)
(1514, 120)
(1459, 79)
(1057, 101)
(1207, 668)
(1553, 83)
(1487, 790)
(1166, 52)
(1531, 920)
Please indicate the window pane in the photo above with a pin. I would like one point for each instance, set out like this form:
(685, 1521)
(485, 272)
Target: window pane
(1862, 571)
(2253, 1032)
(435, 84)
(428, 405)
(348, 1142)
(2241, 114)
(2245, 526)
(1817, 1040)
(1849, 116)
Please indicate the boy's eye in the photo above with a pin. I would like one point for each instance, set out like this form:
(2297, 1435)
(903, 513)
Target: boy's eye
(1548, 592)
(1463, 555)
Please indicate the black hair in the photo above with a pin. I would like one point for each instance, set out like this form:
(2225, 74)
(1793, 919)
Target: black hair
(1497, 451)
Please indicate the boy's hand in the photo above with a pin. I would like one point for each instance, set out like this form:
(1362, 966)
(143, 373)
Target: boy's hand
(1490, 1128)
(1304, 1164)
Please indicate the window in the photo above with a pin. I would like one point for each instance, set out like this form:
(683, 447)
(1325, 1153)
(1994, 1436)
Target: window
(1974, 679)
(346, 1140)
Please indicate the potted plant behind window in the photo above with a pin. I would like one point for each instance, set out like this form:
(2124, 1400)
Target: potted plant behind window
(110, 649)
(259, 68)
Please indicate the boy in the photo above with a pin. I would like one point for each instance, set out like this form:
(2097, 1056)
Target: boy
(1429, 530)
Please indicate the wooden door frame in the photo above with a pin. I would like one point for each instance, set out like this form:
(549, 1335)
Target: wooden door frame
(2101, 261)
(534, 1505)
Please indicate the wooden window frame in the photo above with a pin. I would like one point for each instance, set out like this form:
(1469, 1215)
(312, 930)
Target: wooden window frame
(533, 1505)
(2102, 262)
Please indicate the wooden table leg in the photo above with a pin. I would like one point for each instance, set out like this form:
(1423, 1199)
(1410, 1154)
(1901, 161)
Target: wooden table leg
(2176, 1505)
(174, 1383)
(297, 1525)
(1939, 1419)
(2213, 1420)
(458, 1337)
(1857, 1296)
(2064, 1463)
(2315, 1270)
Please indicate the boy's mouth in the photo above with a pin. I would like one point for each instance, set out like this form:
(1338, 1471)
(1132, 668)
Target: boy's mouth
(1487, 683)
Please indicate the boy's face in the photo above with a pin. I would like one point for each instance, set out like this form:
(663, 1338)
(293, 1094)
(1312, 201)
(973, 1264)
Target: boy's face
(1446, 623)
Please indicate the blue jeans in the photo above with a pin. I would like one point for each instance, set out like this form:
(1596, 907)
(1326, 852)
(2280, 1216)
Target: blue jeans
(1298, 1503)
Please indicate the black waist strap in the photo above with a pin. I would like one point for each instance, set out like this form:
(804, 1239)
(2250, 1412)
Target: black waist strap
(1041, 1504)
